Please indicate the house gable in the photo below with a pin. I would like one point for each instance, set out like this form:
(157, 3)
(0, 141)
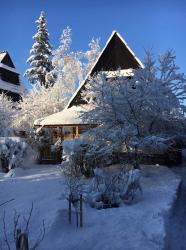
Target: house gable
(6, 59)
(115, 55)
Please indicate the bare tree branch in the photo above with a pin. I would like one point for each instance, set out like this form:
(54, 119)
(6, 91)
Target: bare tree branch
(30, 215)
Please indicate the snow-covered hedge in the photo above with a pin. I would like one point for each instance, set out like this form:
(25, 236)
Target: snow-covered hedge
(14, 153)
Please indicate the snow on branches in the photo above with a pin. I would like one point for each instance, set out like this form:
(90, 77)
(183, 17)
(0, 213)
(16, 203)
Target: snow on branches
(70, 68)
(7, 112)
(40, 63)
(40, 102)
(149, 103)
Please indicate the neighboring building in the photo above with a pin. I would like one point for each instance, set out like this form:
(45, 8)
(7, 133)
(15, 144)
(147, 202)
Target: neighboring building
(66, 124)
(9, 77)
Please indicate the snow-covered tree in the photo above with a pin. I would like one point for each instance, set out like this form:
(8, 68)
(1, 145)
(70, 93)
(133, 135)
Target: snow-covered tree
(40, 63)
(70, 68)
(39, 102)
(58, 54)
(7, 113)
(67, 68)
(90, 55)
(131, 112)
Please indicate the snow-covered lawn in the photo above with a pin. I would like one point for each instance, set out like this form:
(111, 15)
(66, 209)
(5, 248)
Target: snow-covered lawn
(137, 226)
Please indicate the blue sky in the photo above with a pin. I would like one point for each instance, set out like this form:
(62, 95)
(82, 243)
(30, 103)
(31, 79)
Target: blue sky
(144, 24)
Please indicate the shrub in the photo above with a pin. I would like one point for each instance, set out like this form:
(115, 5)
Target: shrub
(84, 155)
(14, 153)
(110, 190)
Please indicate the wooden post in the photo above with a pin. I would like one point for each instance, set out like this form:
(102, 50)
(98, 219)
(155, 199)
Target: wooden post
(61, 133)
(70, 208)
(77, 131)
(81, 210)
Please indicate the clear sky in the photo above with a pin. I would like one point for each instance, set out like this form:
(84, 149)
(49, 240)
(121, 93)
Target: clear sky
(159, 24)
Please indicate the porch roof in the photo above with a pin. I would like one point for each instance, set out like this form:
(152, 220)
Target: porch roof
(68, 116)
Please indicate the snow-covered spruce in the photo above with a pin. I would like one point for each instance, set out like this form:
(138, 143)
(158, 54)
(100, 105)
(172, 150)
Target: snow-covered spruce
(40, 63)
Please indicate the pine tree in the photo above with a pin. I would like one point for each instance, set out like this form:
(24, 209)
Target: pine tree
(40, 63)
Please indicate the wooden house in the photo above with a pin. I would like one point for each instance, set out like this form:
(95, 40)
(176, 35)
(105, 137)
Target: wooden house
(10, 83)
(66, 124)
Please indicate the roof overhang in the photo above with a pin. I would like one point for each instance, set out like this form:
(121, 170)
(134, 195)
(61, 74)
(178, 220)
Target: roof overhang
(67, 117)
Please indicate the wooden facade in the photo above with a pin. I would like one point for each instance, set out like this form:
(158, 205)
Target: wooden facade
(9, 77)
(58, 134)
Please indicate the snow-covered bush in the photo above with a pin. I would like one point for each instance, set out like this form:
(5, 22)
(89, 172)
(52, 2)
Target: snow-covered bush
(154, 145)
(85, 154)
(14, 153)
(110, 190)
(74, 151)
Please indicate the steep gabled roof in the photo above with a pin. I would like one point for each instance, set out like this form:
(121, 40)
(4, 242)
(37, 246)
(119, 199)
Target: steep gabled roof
(115, 55)
(6, 59)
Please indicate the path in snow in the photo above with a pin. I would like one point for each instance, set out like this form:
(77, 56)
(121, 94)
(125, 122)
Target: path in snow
(177, 227)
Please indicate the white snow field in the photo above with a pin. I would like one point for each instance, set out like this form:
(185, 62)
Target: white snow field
(137, 226)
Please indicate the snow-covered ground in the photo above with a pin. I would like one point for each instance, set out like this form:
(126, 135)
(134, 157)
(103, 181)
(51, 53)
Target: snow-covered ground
(137, 226)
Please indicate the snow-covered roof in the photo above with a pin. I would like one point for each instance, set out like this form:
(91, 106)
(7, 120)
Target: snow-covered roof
(2, 55)
(68, 116)
(11, 87)
(6, 59)
(95, 67)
